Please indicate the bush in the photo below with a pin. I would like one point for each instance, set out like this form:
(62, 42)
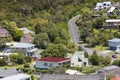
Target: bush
(2, 62)
(26, 65)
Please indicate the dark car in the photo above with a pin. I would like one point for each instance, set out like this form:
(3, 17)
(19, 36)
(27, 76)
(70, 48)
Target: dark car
(114, 56)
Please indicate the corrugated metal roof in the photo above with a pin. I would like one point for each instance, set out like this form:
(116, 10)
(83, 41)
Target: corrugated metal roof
(53, 59)
(114, 40)
(112, 9)
(16, 77)
(71, 77)
(113, 20)
(23, 45)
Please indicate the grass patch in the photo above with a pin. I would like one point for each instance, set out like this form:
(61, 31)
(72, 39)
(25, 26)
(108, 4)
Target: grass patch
(110, 53)
(16, 66)
(100, 48)
(86, 44)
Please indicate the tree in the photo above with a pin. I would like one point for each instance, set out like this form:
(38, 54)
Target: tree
(94, 59)
(80, 48)
(2, 42)
(116, 62)
(86, 54)
(41, 40)
(28, 58)
(20, 59)
(55, 50)
(13, 58)
(17, 58)
(38, 28)
(57, 70)
(2, 62)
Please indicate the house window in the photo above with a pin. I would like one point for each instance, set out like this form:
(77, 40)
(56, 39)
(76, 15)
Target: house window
(59, 63)
(50, 65)
(45, 64)
(79, 60)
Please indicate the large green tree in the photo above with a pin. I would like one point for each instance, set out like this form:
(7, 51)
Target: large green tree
(55, 50)
(41, 40)
(94, 59)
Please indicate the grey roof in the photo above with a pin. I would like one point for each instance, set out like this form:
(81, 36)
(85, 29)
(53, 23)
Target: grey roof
(7, 72)
(114, 40)
(19, 76)
(110, 67)
(71, 77)
(23, 45)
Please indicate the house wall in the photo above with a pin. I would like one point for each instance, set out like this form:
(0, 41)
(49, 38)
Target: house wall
(45, 64)
(74, 62)
(113, 45)
(26, 51)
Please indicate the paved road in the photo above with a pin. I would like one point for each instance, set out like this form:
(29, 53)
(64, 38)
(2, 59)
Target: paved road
(73, 29)
(74, 33)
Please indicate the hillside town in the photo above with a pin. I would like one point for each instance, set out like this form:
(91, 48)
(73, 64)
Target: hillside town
(60, 40)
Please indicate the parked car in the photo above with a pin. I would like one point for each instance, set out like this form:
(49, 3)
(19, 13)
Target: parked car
(114, 56)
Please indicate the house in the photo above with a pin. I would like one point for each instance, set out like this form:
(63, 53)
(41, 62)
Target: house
(78, 59)
(71, 77)
(27, 48)
(109, 70)
(99, 6)
(112, 23)
(102, 5)
(4, 33)
(114, 43)
(113, 10)
(26, 31)
(26, 38)
(19, 76)
(49, 62)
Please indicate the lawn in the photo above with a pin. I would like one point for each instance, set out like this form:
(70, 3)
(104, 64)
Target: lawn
(16, 66)
(100, 48)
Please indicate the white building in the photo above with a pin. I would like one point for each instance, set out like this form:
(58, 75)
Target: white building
(102, 5)
(26, 48)
(18, 77)
(78, 59)
(49, 62)
(113, 22)
(114, 43)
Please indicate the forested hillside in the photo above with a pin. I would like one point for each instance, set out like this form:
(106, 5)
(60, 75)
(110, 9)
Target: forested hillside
(48, 18)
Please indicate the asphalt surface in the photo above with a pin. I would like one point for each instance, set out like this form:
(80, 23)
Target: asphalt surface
(75, 35)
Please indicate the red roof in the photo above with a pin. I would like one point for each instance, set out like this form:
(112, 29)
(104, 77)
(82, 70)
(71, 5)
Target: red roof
(116, 78)
(53, 59)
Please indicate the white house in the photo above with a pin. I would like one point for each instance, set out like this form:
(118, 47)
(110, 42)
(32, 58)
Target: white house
(78, 59)
(112, 23)
(48, 62)
(114, 43)
(102, 5)
(26, 48)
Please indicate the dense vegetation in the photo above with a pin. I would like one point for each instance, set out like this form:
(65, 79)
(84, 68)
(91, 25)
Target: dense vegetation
(48, 18)
(92, 30)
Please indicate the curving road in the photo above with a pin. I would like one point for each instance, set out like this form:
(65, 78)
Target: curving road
(74, 33)
(73, 29)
